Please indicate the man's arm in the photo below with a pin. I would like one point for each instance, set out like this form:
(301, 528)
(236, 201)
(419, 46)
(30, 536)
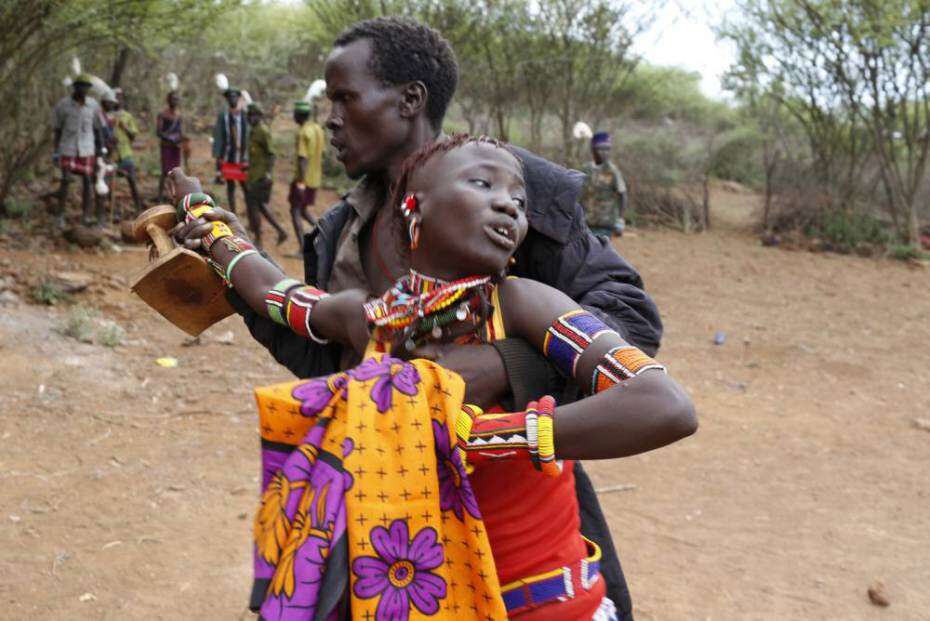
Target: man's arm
(591, 272)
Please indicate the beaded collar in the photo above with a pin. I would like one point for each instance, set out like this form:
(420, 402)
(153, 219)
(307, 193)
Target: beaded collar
(418, 304)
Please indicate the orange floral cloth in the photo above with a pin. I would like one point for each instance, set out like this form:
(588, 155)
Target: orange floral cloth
(361, 482)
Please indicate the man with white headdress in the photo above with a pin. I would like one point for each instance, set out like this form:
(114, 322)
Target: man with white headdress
(78, 123)
(231, 143)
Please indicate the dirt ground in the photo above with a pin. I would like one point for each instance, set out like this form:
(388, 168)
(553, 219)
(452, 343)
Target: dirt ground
(127, 489)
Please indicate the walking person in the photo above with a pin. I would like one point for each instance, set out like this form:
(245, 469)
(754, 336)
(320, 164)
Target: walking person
(308, 168)
(259, 179)
(124, 131)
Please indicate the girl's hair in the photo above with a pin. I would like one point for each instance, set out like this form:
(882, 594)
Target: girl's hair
(421, 156)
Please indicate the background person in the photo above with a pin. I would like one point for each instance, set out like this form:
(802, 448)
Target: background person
(258, 180)
(170, 131)
(308, 168)
(124, 130)
(77, 122)
(231, 143)
(605, 193)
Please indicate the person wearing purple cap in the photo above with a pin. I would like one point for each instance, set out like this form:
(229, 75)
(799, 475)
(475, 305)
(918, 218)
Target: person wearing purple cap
(605, 195)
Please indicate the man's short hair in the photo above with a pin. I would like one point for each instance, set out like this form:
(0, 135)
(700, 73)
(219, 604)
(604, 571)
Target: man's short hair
(404, 50)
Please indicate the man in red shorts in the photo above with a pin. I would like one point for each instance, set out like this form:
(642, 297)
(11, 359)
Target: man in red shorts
(78, 122)
(309, 167)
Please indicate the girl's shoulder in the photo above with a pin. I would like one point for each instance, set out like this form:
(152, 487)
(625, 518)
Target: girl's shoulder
(529, 305)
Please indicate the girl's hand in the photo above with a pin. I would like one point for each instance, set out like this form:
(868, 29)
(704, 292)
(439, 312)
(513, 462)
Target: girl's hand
(180, 185)
(190, 234)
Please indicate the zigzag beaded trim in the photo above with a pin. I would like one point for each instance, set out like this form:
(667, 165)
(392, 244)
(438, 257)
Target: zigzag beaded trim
(619, 364)
(299, 306)
(568, 337)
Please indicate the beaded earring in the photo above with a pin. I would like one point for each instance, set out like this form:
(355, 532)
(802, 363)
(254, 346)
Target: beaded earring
(409, 207)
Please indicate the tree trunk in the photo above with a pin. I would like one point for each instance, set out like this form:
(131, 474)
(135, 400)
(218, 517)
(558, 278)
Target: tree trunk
(767, 206)
(913, 226)
(706, 202)
(119, 65)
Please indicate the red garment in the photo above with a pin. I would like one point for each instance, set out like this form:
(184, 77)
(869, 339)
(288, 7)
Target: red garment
(534, 527)
(79, 165)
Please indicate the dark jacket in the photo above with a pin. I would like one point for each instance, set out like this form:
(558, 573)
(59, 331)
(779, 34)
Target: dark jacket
(560, 251)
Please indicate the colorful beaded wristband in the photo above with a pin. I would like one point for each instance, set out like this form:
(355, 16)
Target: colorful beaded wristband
(489, 437)
(619, 364)
(547, 463)
(235, 260)
(193, 206)
(276, 300)
(569, 336)
(299, 306)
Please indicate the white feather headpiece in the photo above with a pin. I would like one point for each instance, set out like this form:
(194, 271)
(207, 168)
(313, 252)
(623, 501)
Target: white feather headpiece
(246, 98)
(172, 80)
(222, 82)
(75, 65)
(582, 131)
(316, 91)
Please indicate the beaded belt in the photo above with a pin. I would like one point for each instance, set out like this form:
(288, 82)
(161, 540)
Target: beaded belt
(556, 585)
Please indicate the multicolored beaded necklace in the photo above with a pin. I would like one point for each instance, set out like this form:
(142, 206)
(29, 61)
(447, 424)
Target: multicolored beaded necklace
(418, 305)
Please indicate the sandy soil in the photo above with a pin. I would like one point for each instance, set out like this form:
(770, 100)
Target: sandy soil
(126, 489)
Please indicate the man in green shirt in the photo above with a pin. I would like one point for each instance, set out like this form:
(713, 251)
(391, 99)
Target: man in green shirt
(605, 195)
(258, 178)
(124, 131)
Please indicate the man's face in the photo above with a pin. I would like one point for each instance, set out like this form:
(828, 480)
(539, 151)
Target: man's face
(365, 120)
(254, 118)
(108, 106)
(81, 89)
(601, 153)
(174, 100)
(232, 98)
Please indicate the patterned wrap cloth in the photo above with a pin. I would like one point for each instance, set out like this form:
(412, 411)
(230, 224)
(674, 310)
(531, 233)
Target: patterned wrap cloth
(361, 490)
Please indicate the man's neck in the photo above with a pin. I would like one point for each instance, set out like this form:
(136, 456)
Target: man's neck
(421, 135)
(79, 98)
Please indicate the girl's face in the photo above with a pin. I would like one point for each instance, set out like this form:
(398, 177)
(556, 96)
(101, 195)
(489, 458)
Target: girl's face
(472, 202)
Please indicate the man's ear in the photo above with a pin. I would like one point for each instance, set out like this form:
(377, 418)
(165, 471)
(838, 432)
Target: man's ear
(413, 99)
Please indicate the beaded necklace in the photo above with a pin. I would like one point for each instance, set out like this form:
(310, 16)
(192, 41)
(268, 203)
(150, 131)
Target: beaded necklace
(418, 305)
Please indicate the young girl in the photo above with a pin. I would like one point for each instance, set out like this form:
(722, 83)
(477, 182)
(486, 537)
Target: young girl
(462, 204)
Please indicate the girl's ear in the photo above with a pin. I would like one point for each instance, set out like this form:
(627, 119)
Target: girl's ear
(413, 100)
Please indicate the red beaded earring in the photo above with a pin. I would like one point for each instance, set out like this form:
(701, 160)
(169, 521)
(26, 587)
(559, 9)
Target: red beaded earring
(410, 209)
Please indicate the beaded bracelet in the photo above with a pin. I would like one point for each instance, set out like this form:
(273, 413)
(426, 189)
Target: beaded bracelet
(276, 299)
(490, 437)
(545, 446)
(569, 336)
(232, 264)
(299, 306)
(194, 205)
(619, 364)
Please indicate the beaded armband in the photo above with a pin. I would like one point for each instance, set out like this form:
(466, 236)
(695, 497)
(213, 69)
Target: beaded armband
(619, 364)
(276, 299)
(569, 336)
(193, 206)
(488, 437)
(299, 306)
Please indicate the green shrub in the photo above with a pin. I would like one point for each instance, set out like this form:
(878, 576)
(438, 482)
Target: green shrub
(110, 334)
(907, 252)
(17, 207)
(79, 324)
(847, 230)
(48, 293)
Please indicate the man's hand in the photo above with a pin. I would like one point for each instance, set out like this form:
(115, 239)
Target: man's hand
(479, 365)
